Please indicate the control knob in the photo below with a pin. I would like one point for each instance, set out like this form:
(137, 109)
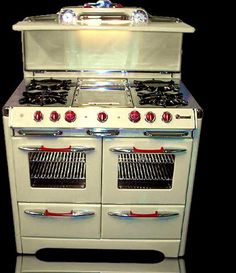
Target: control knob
(70, 116)
(167, 117)
(54, 116)
(102, 117)
(38, 116)
(150, 117)
(134, 116)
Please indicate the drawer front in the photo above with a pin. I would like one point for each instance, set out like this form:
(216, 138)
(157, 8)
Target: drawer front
(142, 222)
(59, 220)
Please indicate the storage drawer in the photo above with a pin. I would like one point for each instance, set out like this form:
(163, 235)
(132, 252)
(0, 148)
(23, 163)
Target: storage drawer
(60, 220)
(142, 222)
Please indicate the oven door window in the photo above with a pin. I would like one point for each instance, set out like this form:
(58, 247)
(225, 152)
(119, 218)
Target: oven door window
(145, 171)
(57, 169)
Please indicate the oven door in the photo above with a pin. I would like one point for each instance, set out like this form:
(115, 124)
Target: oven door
(146, 171)
(57, 169)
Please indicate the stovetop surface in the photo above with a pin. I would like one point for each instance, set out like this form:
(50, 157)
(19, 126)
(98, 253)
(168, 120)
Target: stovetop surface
(119, 93)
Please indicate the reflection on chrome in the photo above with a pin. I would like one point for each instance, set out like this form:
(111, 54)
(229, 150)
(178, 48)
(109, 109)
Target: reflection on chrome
(32, 264)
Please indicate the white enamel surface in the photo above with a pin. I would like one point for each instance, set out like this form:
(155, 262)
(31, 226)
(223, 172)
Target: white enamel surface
(92, 192)
(75, 50)
(153, 27)
(64, 227)
(169, 248)
(87, 118)
(12, 181)
(32, 264)
(141, 228)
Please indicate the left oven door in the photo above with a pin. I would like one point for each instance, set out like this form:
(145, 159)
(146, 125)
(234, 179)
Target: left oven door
(57, 169)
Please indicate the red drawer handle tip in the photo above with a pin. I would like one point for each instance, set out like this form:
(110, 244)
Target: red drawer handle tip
(46, 149)
(160, 151)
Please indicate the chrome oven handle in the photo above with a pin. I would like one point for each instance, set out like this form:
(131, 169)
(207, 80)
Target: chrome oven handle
(40, 133)
(71, 214)
(156, 151)
(131, 214)
(103, 133)
(166, 134)
(67, 149)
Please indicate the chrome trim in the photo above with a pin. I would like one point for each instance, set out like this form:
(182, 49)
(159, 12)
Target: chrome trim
(122, 150)
(174, 151)
(104, 71)
(82, 149)
(103, 133)
(100, 103)
(40, 133)
(29, 149)
(131, 150)
(103, 17)
(122, 214)
(72, 149)
(74, 213)
(166, 134)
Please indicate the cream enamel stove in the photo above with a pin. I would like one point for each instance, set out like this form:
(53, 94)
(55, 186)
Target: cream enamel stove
(96, 135)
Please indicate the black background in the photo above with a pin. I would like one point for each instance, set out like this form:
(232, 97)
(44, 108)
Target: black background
(198, 70)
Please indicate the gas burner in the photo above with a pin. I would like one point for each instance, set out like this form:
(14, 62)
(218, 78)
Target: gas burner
(159, 93)
(45, 92)
(52, 84)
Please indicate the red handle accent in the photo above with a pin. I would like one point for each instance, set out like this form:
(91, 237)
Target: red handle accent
(119, 6)
(159, 151)
(149, 215)
(46, 149)
(58, 214)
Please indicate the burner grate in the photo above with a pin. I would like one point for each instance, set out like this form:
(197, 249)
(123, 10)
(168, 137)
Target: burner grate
(46, 92)
(159, 93)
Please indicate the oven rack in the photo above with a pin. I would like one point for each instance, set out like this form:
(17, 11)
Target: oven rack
(58, 169)
(145, 171)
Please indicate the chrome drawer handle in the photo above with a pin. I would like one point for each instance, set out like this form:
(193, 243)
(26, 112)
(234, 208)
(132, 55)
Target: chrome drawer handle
(40, 133)
(166, 134)
(103, 133)
(130, 214)
(155, 151)
(71, 214)
(67, 149)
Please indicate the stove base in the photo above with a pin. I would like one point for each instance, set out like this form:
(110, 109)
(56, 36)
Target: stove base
(170, 248)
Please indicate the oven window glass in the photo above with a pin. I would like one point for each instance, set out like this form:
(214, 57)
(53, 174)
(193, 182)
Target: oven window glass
(145, 171)
(57, 169)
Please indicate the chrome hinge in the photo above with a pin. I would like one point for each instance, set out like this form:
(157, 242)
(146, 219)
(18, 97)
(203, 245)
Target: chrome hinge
(5, 111)
(200, 113)
(38, 72)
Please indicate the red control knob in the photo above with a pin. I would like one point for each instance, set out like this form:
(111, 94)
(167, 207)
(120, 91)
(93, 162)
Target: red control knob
(54, 116)
(38, 116)
(167, 117)
(134, 116)
(70, 116)
(102, 117)
(150, 117)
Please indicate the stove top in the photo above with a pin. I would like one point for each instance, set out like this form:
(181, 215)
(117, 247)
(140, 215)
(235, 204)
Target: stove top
(101, 103)
(103, 93)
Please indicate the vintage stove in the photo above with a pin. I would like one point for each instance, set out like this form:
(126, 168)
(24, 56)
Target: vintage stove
(101, 134)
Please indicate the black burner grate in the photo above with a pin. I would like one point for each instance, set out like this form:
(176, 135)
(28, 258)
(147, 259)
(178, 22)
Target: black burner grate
(159, 93)
(45, 92)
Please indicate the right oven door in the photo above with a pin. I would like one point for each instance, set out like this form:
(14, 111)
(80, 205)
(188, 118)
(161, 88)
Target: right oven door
(145, 171)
